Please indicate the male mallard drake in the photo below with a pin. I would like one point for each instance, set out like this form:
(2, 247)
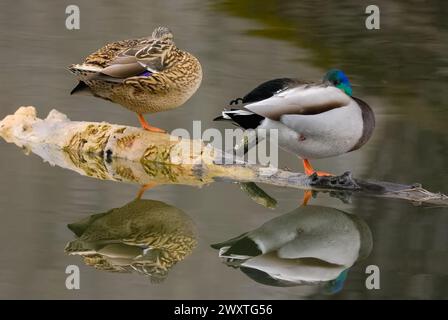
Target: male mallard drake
(144, 75)
(314, 120)
(311, 244)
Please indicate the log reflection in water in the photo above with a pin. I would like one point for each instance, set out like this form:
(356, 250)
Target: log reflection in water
(122, 153)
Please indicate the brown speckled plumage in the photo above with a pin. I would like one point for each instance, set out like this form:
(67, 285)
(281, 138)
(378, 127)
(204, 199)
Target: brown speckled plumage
(114, 72)
(144, 236)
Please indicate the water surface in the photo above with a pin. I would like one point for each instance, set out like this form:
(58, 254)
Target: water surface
(401, 70)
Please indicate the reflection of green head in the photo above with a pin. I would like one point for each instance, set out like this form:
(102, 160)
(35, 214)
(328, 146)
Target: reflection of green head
(336, 285)
(339, 80)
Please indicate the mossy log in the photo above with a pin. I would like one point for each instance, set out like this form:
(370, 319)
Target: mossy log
(133, 155)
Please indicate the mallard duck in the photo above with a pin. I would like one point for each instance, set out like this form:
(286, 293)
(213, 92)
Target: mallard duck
(146, 236)
(309, 245)
(314, 120)
(144, 75)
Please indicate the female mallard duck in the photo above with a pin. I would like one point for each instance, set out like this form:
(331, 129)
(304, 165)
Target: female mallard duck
(314, 120)
(146, 236)
(144, 75)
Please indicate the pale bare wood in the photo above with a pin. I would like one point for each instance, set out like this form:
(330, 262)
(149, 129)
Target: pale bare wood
(133, 155)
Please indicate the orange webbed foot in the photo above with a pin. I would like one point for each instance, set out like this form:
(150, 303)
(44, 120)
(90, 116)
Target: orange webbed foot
(145, 187)
(306, 197)
(309, 170)
(147, 126)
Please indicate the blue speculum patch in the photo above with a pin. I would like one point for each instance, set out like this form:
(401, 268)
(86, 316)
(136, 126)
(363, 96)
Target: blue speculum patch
(146, 74)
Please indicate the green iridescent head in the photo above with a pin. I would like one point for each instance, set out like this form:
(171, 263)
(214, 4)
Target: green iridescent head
(339, 80)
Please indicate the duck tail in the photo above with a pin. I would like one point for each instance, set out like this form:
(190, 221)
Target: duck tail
(84, 72)
(229, 242)
(239, 248)
(242, 118)
(81, 88)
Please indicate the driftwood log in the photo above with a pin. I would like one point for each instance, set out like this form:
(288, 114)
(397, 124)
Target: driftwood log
(132, 155)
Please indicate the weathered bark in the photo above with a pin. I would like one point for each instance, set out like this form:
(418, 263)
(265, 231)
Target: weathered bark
(132, 155)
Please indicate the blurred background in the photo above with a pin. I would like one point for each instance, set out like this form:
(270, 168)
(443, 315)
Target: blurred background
(401, 70)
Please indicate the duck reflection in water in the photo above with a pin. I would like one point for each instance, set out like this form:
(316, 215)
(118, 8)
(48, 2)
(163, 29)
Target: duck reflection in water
(144, 236)
(311, 245)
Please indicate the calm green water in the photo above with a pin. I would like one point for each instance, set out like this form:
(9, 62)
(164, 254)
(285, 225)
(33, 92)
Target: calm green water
(401, 70)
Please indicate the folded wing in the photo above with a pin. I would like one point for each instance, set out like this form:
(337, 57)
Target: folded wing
(304, 99)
